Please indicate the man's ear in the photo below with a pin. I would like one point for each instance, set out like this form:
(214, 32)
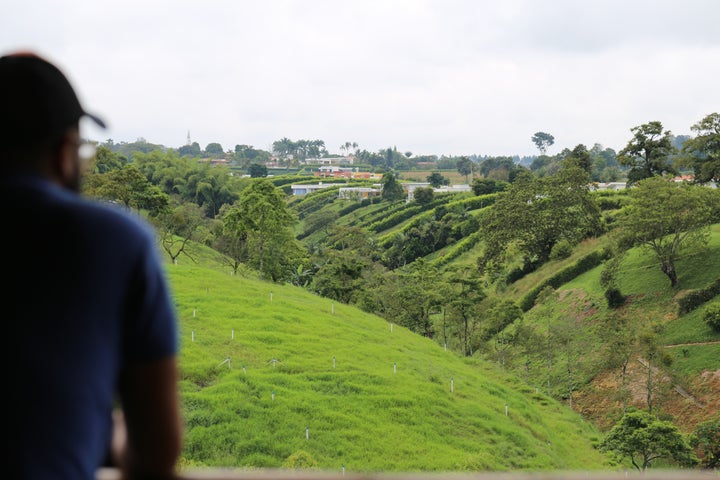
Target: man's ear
(63, 161)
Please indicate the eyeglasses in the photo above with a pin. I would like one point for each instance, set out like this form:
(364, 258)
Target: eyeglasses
(86, 150)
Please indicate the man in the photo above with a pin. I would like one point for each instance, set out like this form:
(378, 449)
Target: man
(88, 322)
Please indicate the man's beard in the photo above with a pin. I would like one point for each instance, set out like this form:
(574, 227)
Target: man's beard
(73, 181)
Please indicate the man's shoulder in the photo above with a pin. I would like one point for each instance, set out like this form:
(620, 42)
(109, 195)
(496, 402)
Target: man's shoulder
(50, 204)
(112, 216)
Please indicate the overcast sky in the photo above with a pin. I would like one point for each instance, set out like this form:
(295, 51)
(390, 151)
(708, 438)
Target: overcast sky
(453, 77)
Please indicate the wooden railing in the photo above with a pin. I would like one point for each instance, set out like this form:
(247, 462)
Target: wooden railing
(263, 474)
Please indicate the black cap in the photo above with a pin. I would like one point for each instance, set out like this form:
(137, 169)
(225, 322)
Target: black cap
(37, 102)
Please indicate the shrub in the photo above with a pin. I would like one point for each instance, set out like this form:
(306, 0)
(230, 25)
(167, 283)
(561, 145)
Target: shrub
(706, 438)
(712, 317)
(614, 297)
(300, 460)
(693, 299)
(562, 249)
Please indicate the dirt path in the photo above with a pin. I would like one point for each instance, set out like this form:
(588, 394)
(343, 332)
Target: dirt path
(714, 342)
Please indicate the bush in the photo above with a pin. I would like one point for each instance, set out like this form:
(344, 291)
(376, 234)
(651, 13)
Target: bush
(706, 438)
(300, 460)
(614, 297)
(562, 249)
(693, 299)
(712, 317)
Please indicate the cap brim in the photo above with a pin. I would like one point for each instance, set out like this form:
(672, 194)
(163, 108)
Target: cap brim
(96, 119)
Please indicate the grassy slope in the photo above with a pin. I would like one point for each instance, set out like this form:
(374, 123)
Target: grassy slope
(651, 302)
(361, 413)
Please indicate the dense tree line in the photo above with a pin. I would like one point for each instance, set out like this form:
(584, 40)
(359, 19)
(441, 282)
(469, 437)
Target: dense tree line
(542, 210)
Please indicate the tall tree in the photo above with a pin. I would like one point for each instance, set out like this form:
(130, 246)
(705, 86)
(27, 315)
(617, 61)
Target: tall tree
(437, 180)
(667, 218)
(214, 149)
(129, 187)
(213, 188)
(192, 150)
(423, 195)
(485, 186)
(543, 141)
(580, 156)
(418, 297)
(535, 213)
(497, 168)
(341, 276)
(392, 189)
(177, 226)
(316, 148)
(344, 264)
(263, 216)
(572, 344)
(105, 160)
(648, 153)
(463, 305)
(703, 151)
(231, 239)
(620, 340)
(501, 314)
(643, 438)
(465, 167)
(257, 171)
(283, 147)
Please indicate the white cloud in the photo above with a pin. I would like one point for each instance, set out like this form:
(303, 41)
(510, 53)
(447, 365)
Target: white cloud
(429, 76)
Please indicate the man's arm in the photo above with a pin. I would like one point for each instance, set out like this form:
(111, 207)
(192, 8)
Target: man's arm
(153, 425)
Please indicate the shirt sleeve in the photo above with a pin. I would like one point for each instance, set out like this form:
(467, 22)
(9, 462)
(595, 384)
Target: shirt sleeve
(152, 330)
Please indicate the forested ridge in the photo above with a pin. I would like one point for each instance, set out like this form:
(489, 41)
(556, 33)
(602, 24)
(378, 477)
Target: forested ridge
(604, 300)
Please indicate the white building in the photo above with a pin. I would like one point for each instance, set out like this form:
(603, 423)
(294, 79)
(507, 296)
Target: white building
(359, 193)
(308, 188)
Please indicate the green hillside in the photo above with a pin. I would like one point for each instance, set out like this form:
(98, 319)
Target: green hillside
(525, 294)
(565, 310)
(274, 376)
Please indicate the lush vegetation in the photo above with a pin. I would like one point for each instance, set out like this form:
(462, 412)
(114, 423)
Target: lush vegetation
(262, 362)
(563, 288)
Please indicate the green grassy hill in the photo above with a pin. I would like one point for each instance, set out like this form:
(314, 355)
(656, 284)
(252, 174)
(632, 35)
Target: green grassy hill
(276, 377)
(584, 372)
(273, 376)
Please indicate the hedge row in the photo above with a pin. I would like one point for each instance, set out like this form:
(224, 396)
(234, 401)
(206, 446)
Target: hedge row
(395, 219)
(368, 218)
(422, 212)
(476, 203)
(473, 203)
(694, 298)
(313, 202)
(464, 245)
(428, 211)
(352, 207)
(582, 265)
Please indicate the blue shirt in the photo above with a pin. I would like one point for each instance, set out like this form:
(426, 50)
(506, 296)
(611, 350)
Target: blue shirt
(85, 296)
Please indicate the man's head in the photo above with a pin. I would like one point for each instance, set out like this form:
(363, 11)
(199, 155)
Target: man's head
(39, 117)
